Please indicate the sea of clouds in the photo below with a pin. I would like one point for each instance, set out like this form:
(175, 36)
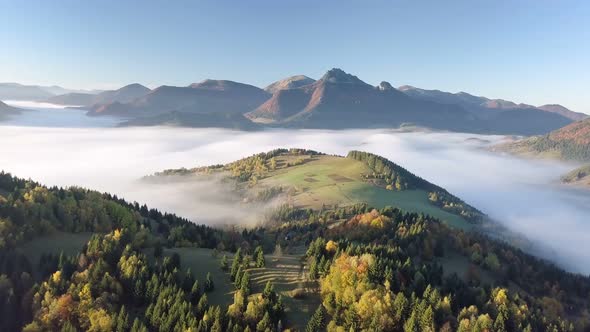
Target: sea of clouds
(76, 150)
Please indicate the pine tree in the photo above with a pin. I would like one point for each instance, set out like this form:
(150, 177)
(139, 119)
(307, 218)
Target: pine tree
(500, 323)
(202, 305)
(269, 292)
(238, 277)
(259, 257)
(68, 327)
(316, 322)
(195, 292)
(188, 281)
(236, 263)
(265, 324)
(122, 320)
(224, 263)
(427, 320)
(245, 283)
(209, 285)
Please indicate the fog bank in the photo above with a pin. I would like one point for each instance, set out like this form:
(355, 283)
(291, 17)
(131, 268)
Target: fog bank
(521, 194)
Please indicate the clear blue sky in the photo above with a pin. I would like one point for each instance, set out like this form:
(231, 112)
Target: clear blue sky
(533, 51)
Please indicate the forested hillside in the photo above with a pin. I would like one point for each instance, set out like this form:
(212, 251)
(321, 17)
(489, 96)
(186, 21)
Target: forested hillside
(571, 142)
(360, 269)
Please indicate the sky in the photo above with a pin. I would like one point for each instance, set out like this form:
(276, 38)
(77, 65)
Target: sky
(531, 51)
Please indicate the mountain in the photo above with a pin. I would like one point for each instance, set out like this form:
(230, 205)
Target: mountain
(571, 142)
(235, 121)
(310, 179)
(125, 94)
(558, 109)
(487, 107)
(289, 83)
(208, 96)
(15, 91)
(7, 111)
(342, 100)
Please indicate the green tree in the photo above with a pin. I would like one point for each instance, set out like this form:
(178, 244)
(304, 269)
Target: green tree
(209, 285)
(259, 257)
(224, 263)
(316, 322)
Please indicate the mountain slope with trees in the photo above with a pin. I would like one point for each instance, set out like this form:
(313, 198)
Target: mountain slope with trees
(384, 270)
(571, 142)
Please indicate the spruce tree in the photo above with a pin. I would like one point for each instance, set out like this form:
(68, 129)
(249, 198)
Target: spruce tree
(224, 263)
(209, 285)
(316, 322)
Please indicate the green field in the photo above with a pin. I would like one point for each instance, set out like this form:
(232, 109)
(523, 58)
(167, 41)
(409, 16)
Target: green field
(288, 274)
(329, 180)
(201, 261)
(69, 243)
(285, 272)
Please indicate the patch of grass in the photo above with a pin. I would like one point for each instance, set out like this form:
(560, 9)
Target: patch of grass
(285, 272)
(70, 243)
(201, 261)
(329, 180)
(289, 277)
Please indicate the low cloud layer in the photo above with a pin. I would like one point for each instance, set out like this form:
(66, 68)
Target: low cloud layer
(523, 195)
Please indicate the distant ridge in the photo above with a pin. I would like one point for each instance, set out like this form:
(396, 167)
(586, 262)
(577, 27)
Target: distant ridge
(338, 100)
(123, 95)
(483, 104)
(208, 96)
(571, 142)
(7, 111)
(16, 91)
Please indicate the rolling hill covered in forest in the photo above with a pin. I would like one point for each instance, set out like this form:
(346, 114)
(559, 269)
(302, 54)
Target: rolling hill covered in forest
(571, 142)
(310, 179)
(76, 259)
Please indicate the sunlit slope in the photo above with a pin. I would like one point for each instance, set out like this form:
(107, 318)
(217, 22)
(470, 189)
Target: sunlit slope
(313, 180)
(287, 273)
(330, 180)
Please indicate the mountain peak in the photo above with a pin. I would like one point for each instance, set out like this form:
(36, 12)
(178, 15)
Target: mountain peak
(336, 75)
(385, 86)
(289, 83)
(134, 86)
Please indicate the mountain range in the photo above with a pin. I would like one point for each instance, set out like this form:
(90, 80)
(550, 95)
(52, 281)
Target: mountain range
(125, 94)
(15, 91)
(338, 100)
(482, 105)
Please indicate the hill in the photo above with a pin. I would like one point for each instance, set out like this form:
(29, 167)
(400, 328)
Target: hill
(308, 179)
(558, 109)
(125, 94)
(571, 142)
(502, 116)
(341, 100)
(142, 270)
(209, 96)
(15, 91)
(7, 111)
(483, 105)
(195, 120)
(579, 176)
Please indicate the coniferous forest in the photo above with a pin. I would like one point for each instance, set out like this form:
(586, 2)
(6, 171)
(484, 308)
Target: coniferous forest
(375, 270)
